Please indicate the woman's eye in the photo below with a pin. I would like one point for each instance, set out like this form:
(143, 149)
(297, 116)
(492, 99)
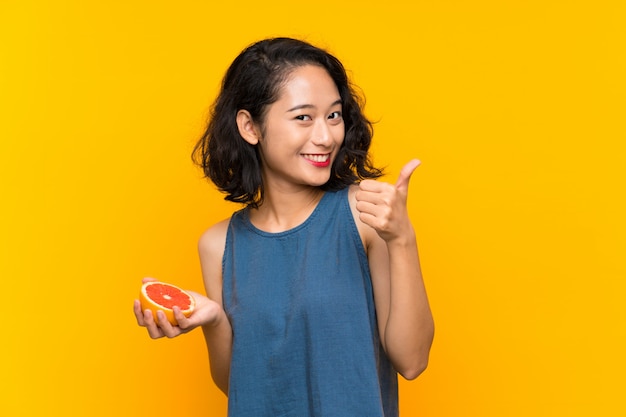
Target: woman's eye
(335, 115)
(303, 117)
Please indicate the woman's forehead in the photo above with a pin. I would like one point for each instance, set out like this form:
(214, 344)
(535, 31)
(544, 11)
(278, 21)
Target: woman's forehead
(309, 84)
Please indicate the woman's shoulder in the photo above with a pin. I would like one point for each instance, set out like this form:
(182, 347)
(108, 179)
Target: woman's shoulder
(213, 240)
(352, 191)
(211, 250)
(366, 232)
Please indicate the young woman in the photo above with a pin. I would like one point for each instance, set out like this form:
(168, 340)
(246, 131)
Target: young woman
(315, 299)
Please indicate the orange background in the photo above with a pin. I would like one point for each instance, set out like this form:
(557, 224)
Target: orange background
(516, 109)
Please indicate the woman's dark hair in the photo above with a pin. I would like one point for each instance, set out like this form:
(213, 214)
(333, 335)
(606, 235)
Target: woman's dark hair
(253, 82)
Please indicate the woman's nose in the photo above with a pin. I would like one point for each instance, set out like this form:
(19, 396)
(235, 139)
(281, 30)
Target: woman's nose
(322, 134)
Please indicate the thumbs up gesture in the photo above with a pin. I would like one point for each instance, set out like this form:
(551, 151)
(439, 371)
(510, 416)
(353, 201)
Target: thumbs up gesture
(383, 206)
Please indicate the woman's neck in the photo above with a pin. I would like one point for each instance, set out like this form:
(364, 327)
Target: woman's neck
(281, 211)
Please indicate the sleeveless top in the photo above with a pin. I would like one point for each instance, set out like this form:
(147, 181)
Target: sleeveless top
(301, 307)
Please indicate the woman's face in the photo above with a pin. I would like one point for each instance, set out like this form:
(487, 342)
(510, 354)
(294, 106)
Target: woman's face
(303, 130)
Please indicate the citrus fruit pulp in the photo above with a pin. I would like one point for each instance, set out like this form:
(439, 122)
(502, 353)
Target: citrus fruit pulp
(156, 296)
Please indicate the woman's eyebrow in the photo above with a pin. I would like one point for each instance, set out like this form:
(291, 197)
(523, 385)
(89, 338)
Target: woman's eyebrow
(311, 106)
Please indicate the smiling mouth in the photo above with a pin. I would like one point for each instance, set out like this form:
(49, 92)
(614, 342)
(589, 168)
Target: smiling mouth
(317, 158)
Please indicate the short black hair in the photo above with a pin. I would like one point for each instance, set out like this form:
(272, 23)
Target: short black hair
(253, 82)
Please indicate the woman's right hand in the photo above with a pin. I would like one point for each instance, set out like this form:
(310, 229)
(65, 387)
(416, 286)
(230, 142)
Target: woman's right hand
(206, 312)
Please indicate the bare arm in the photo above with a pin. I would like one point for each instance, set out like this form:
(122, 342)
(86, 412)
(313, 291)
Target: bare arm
(209, 312)
(405, 321)
(217, 333)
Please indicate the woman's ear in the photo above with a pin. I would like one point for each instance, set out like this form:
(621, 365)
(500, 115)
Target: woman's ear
(247, 127)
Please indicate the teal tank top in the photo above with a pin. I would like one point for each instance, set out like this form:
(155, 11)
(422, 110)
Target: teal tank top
(300, 303)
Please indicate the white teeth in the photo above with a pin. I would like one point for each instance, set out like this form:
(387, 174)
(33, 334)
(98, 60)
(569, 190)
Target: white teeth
(316, 158)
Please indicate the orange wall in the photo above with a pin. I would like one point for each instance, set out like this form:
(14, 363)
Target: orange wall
(516, 109)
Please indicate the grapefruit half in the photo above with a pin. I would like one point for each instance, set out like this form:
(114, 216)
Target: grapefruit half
(162, 296)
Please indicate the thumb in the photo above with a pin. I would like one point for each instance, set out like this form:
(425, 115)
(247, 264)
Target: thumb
(405, 174)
